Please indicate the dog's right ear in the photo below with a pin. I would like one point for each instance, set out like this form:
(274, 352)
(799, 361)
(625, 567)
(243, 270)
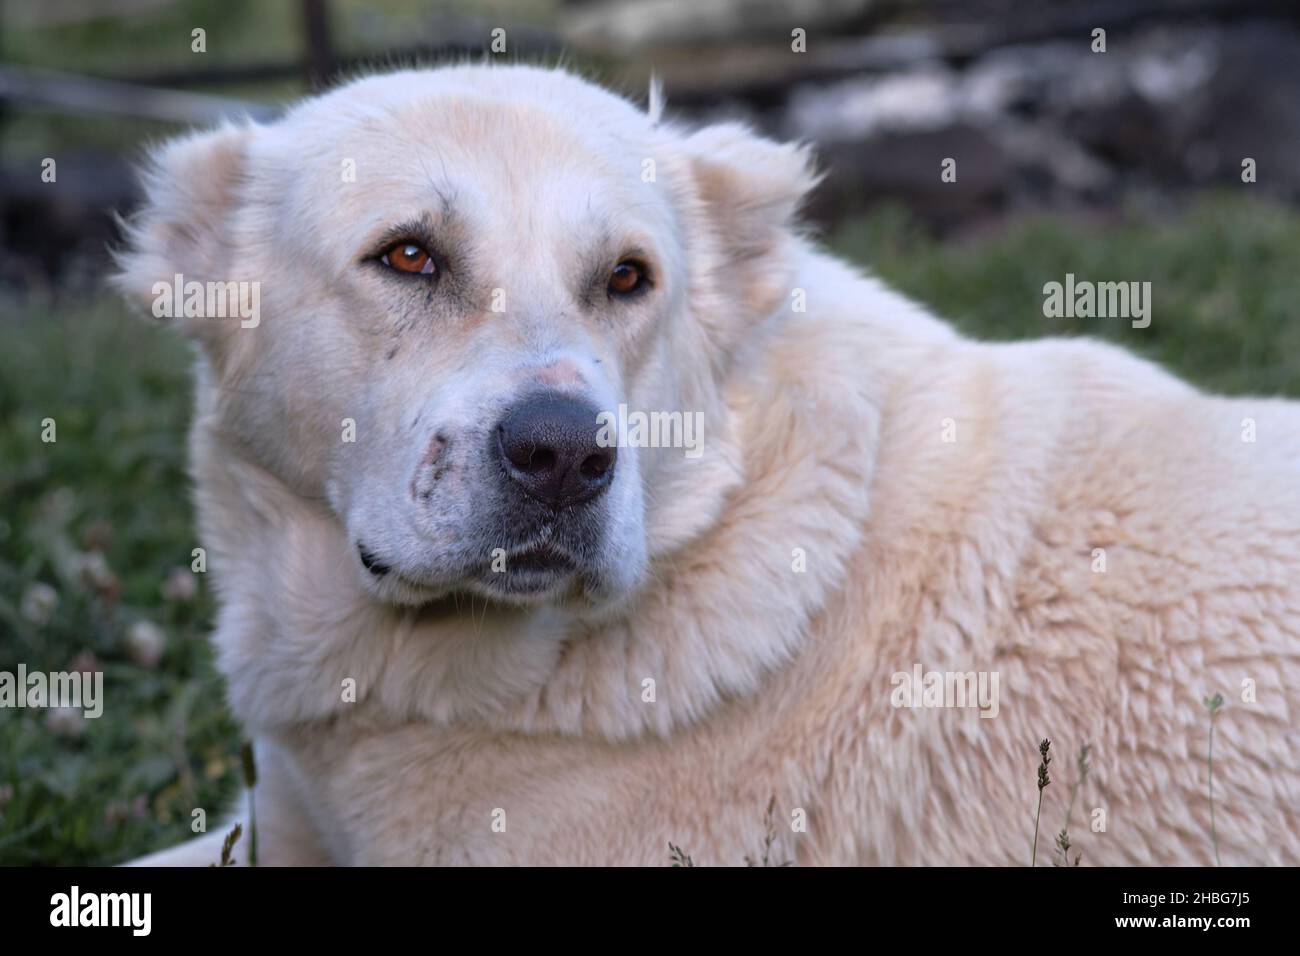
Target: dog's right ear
(193, 188)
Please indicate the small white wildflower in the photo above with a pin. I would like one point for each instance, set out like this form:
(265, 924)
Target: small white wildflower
(38, 603)
(66, 721)
(145, 641)
(92, 567)
(180, 585)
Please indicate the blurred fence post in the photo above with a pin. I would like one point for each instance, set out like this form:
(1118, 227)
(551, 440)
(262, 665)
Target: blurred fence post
(320, 63)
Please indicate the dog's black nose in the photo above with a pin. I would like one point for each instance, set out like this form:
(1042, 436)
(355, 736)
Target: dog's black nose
(549, 450)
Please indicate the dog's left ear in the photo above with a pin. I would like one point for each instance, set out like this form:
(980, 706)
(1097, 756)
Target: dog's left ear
(751, 189)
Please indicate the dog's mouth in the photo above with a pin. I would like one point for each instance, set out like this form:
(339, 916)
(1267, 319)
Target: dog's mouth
(538, 570)
(372, 563)
(540, 559)
(533, 571)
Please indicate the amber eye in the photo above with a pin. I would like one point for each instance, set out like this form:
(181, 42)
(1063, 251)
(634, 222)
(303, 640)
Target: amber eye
(628, 277)
(409, 257)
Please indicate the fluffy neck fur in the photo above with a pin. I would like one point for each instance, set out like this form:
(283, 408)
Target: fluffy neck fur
(295, 624)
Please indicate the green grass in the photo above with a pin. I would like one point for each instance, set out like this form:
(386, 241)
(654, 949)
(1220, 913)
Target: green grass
(114, 483)
(1224, 284)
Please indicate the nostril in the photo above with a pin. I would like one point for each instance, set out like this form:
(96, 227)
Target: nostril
(595, 465)
(540, 462)
(523, 452)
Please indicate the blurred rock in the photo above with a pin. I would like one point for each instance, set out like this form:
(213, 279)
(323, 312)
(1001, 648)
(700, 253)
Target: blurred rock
(629, 25)
(1048, 125)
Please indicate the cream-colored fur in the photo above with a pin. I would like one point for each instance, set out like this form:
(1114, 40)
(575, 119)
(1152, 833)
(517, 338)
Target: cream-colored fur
(875, 492)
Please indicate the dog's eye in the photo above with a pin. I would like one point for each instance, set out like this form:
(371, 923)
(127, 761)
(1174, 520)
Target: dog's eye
(409, 257)
(628, 277)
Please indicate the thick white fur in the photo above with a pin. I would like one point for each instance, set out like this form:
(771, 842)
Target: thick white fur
(825, 432)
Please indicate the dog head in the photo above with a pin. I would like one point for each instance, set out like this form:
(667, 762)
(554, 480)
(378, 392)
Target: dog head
(483, 298)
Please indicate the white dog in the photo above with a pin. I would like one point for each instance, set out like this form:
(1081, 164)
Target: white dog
(465, 624)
